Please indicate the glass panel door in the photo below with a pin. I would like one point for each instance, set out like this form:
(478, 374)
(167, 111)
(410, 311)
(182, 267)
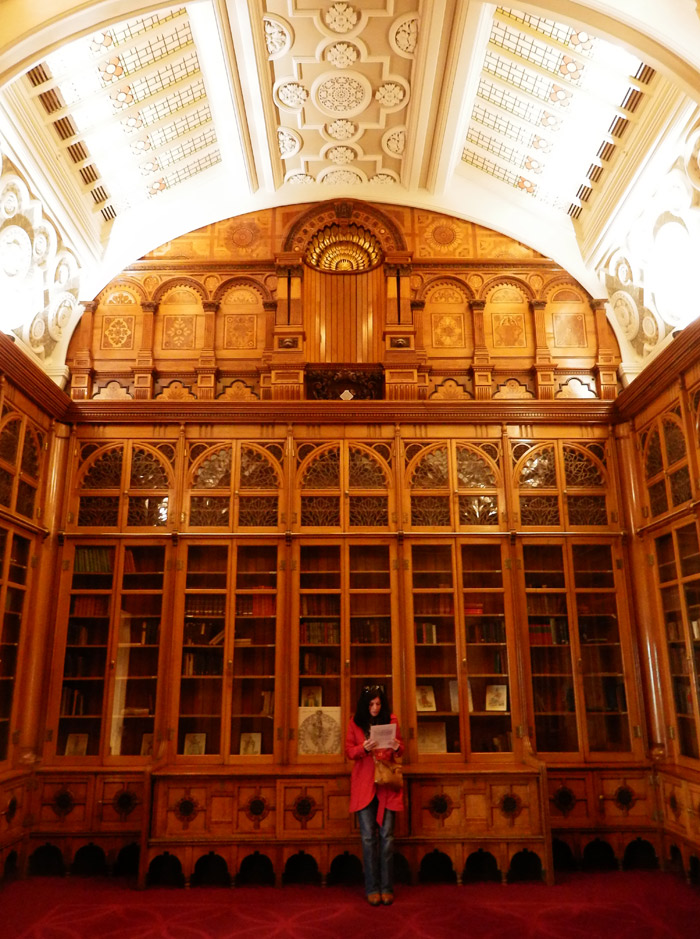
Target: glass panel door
(85, 661)
(607, 719)
(255, 637)
(15, 585)
(488, 691)
(370, 620)
(204, 631)
(136, 656)
(553, 693)
(435, 649)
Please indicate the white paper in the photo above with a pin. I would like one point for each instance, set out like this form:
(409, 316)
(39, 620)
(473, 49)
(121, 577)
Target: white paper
(384, 734)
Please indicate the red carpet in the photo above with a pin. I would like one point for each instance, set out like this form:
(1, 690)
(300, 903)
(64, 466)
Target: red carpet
(629, 905)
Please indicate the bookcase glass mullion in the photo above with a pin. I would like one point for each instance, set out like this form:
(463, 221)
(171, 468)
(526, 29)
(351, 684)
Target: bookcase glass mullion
(255, 638)
(203, 635)
(85, 661)
(320, 617)
(370, 619)
(679, 579)
(14, 550)
(607, 718)
(551, 666)
(137, 650)
(488, 691)
(435, 649)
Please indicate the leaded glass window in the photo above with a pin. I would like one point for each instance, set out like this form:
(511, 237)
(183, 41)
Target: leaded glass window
(666, 468)
(344, 486)
(453, 484)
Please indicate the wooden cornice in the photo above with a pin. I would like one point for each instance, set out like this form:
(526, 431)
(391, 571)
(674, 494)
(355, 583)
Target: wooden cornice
(33, 383)
(680, 355)
(352, 412)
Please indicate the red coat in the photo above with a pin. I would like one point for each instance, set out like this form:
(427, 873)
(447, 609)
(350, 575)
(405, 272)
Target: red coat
(362, 787)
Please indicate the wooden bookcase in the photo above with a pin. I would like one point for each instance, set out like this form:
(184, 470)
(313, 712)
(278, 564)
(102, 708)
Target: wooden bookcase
(15, 552)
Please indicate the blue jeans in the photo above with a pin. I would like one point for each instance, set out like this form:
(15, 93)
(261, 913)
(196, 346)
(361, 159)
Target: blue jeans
(377, 848)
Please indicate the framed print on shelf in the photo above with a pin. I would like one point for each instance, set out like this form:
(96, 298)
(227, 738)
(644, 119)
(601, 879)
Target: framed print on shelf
(496, 697)
(251, 744)
(147, 745)
(311, 696)
(319, 731)
(454, 696)
(432, 738)
(76, 745)
(425, 698)
(195, 744)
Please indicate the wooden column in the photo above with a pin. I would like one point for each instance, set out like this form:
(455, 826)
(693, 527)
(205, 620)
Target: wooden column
(206, 368)
(481, 365)
(544, 366)
(606, 368)
(287, 356)
(143, 370)
(82, 369)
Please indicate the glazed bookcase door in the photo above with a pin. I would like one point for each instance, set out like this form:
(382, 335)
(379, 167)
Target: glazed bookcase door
(578, 650)
(229, 659)
(255, 651)
(14, 569)
(486, 631)
(91, 600)
(135, 656)
(435, 652)
(551, 654)
(678, 564)
(207, 585)
(344, 638)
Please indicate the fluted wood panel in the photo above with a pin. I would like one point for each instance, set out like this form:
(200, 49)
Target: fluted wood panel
(344, 316)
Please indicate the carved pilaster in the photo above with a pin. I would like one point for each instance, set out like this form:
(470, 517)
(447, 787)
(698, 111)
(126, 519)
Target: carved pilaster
(82, 367)
(143, 370)
(606, 364)
(544, 367)
(482, 367)
(206, 368)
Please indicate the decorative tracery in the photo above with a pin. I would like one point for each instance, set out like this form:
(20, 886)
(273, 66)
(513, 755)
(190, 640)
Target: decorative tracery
(344, 485)
(666, 468)
(468, 470)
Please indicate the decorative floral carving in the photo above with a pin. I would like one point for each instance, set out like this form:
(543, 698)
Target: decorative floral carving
(341, 93)
(450, 390)
(341, 129)
(406, 35)
(340, 17)
(448, 330)
(342, 55)
(292, 95)
(186, 809)
(575, 388)
(63, 802)
(112, 391)
(341, 154)
(124, 802)
(178, 332)
(118, 331)
(564, 799)
(342, 178)
(512, 388)
(277, 38)
(446, 294)
(176, 391)
(395, 142)
(240, 332)
(288, 143)
(256, 809)
(382, 179)
(624, 798)
(390, 95)
(300, 179)
(441, 806)
(510, 805)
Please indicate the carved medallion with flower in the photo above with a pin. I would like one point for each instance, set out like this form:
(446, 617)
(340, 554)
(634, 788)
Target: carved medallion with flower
(509, 330)
(341, 129)
(406, 35)
(118, 332)
(120, 298)
(446, 294)
(340, 17)
(240, 331)
(448, 330)
(178, 332)
(277, 37)
(390, 95)
(342, 55)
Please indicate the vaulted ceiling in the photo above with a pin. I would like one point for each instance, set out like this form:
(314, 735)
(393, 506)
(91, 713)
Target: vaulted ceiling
(132, 123)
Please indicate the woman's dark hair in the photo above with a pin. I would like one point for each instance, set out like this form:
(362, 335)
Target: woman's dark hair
(362, 717)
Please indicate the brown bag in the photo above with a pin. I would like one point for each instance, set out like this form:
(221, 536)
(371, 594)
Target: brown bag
(388, 773)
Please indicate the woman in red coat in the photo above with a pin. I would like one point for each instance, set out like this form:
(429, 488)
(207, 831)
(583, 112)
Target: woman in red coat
(375, 805)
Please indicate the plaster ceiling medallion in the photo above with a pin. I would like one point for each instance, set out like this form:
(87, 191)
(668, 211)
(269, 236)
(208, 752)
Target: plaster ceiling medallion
(388, 177)
(394, 142)
(278, 36)
(344, 177)
(404, 35)
(341, 129)
(342, 55)
(340, 17)
(343, 248)
(347, 94)
(300, 179)
(15, 252)
(289, 143)
(341, 155)
(392, 95)
(290, 95)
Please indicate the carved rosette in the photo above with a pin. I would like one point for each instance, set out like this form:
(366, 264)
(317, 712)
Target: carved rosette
(441, 806)
(564, 799)
(304, 809)
(63, 802)
(124, 802)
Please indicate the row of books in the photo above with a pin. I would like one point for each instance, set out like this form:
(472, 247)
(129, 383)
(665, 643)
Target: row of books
(553, 632)
(207, 603)
(434, 604)
(83, 634)
(255, 604)
(90, 605)
(371, 631)
(139, 632)
(674, 630)
(426, 633)
(93, 560)
(314, 664)
(554, 696)
(320, 604)
(72, 702)
(321, 632)
(487, 630)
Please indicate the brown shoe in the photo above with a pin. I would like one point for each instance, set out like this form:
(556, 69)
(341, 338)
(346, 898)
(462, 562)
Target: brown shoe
(374, 899)
(387, 899)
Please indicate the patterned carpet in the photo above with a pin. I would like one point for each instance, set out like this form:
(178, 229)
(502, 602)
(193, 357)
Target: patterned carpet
(629, 905)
